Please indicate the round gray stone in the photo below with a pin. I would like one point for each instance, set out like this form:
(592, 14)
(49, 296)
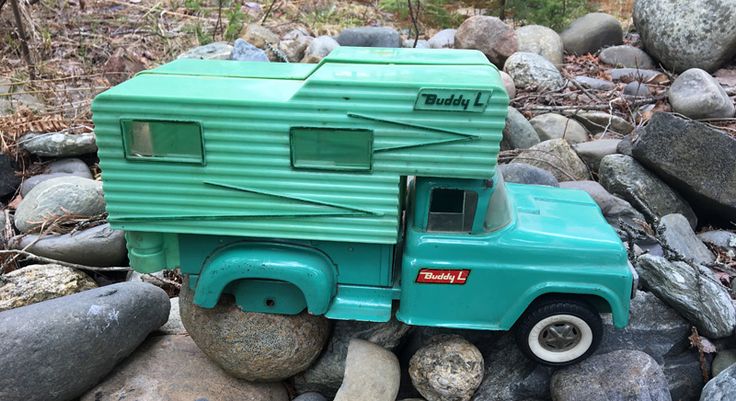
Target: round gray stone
(592, 32)
(244, 51)
(636, 89)
(59, 144)
(723, 360)
(557, 157)
(508, 84)
(595, 83)
(448, 369)
(372, 373)
(369, 36)
(556, 126)
(210, 51)
(319, 48)
(720, 388)
(518, 133)
(599, 122)
(541, 40)
(96, 246)
(311, 396)
(35, 283)
(522, 173)
(626, 56)
(490, 35)
(696, 94)
(594, 151)
(420, 44)
(635, 74)
(444, 39)
(533, 72)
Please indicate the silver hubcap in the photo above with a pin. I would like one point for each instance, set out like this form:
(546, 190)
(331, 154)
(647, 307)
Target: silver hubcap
(560, 337)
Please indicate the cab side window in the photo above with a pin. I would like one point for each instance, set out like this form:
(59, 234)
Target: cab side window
(452, 210)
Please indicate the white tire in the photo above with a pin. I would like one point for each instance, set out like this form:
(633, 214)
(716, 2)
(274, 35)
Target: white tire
(581, 338)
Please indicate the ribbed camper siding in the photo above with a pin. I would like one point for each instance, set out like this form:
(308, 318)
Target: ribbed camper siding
(247, 145)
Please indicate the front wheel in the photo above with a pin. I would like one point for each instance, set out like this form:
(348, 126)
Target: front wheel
(559, 333)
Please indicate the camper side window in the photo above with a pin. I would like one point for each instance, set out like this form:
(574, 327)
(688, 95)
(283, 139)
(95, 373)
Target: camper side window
(167, 141)
(331, 149)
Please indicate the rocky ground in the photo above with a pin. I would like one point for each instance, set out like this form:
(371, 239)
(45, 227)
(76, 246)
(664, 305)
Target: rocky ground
(640, 117)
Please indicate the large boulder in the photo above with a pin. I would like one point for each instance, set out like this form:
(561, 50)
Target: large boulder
(696, 94)
(618, 375)
(721, 387)
(319, 48)
(96, 246)
(35, 283)
(369, 36)
(372, 373)
(448, 369)
(58, 349)
(592, 32)
(687, 34)
(171, 367)
(557, 157)
(675, 231)
(554, 126)
(518, 133)
(623, 176)
(253, 346)
(541, 40)
(57, 197)
(59, 144)
(533, 72)
(626, 56)
(522, 173)
(490, 35)
(694, 159)
(691, 291)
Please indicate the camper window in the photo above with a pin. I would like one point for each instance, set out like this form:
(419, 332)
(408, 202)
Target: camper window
(452, 210)
(331, 149)
(168, 141)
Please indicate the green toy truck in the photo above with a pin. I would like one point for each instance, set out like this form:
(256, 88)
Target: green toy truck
(356, 188)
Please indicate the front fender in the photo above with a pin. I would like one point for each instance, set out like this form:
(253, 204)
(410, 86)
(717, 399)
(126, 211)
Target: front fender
(306, 268)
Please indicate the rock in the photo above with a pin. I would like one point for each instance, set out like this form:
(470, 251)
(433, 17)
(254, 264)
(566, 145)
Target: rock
(598, 122)
(612, 207)
(595, 83)
(320, 47)
(420, 44)
(555, 126)
(698, 297)
(14, 97)
(490, 35)
(369, 36)
(696, 94)
(691, 156)
(625, 146)
(684, 375)
(294, 43)
(253, 346)
(723, 239)
(518, 133)
(674, 230)
(591, 32)
(635, 75)
(326, 374)
(636, 89)
(448, 369)
(59, 144)
(508, 84)
(522, 173)
(618, 375)
(372, 373)
(57, 197)
(244, 51)
(691, 35)
(444, 39)
(35, 283)
(720, 388)
(627, 56)
(557, 157)
(592, 152)
(623, 176)
(63, 167)
(174, 326)
(311, 396)
(723, 360)
(9, 180)
(211, 51)
(96, 246)
(74, 341)
(259, 36)
(532, 71)
(541, 40)
(171, 367)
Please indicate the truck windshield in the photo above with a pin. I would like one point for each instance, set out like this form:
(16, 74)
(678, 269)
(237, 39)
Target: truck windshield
(499, 211)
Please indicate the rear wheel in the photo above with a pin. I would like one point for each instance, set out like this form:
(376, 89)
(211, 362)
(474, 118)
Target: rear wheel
(559, 333)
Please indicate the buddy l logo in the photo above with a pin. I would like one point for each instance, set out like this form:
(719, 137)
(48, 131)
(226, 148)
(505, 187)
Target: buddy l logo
(452, 100)
(436, 276)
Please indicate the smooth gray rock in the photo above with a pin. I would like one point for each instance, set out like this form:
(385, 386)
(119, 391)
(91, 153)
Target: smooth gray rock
(617, 376)
(518, 133)
(210, 51)
(171, 367)
(723, 239)
(591, 32)
(372, 373)
(522, 173)
(541, 40)
(675, 231)
(636, 89)
(444, 39)
(555, 126)
(59, 144)
(688, 34)
(692, 157)
(59, 168)
(594, 151)
(508, 84)
(326, 374)
(613, 208)
(634, 74)
(625, 146)
(244, 51)
(595, 83)
(721, 387)
(449, 368)
(599, 122)
(294, 43)
(173, 326)
(696, 94)
(9, 180)
(36, 283)
(698, 297)
(96, 246)
(684, 375)
(311, 396)
(627, 56)
(490, 35)
(723, 360)
(369, 36)
(623, 176)
(420, 44)
(319, 48)
(253, 346)
(72, 342)
(557, 157)
(533, 72)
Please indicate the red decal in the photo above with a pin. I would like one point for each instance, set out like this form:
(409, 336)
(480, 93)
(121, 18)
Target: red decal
(437, 276)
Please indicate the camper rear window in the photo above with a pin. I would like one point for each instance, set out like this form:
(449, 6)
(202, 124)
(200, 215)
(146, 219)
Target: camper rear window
(331, 149)
(167, 141)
